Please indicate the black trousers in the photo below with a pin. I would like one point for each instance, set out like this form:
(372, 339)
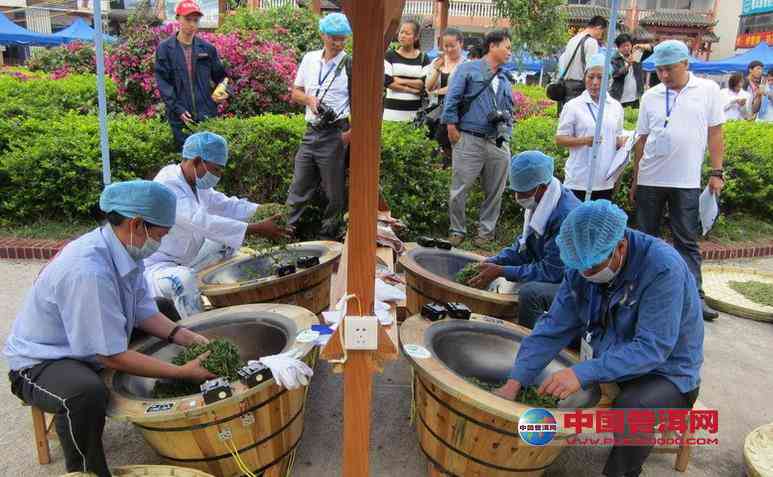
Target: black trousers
(320, 161)
(595, 195)
(684, 219)
(650, 391)
(72, 391)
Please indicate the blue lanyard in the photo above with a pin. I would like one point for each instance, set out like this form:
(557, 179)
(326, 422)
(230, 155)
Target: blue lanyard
(320, 78)
(670, 108)
(590, 110)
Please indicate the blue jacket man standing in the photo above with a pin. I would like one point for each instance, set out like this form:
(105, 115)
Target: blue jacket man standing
(187, 70)
(632, 299)
(478, 111)
(534, 257)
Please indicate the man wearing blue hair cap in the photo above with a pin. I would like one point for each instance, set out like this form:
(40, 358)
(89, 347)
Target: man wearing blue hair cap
(79, 316)
(323, 86)
(533, 260)
(632, 300)
(678, 120)
(209, 226)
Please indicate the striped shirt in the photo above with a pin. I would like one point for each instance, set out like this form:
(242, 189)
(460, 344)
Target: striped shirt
(400, 106)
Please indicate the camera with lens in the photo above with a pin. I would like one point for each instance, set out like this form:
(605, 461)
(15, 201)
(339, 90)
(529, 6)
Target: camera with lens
(500, 120)
(327, 116)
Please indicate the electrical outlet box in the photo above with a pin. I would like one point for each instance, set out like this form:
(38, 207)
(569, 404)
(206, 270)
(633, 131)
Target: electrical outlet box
(361, 332)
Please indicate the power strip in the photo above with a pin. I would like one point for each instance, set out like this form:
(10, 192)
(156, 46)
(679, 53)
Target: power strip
(361, 332)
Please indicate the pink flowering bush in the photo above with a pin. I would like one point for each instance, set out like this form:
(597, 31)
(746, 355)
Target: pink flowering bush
(72, 58)
(528, 104)
(261, 72)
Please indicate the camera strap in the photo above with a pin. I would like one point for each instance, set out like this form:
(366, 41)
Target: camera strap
(339, 67)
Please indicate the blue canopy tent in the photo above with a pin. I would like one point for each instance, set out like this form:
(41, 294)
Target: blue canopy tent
(762, 52)
(13, 34)
(79, 30)
(695, 65)
(523, 62)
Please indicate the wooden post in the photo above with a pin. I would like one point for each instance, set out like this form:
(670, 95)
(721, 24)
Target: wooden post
(316, 6)
(442, 19)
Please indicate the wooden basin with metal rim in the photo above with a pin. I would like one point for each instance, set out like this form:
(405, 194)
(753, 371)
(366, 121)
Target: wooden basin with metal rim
(261, 425)
(462, 429)
(429, 277)
(147, 471)
(250, 279)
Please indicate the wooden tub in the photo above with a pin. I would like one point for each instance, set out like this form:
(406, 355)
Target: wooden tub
(429, 277)
(147, 471)
(462, 429)
(250, 279)
(262, 424)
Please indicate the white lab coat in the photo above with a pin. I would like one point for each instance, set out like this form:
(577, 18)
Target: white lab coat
(204, 215)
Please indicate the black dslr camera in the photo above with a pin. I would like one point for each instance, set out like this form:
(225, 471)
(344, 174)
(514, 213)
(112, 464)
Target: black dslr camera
(500, 120)
(327, 116)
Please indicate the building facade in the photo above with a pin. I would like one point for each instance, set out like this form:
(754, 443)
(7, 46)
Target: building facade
(756, 24)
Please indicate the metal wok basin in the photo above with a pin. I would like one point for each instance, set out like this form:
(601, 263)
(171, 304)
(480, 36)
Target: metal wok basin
(256, 336)
(441, 262)
(260, 266)
(487, 352)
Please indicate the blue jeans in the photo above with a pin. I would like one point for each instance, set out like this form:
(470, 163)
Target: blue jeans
(684, 220)
(534, 300)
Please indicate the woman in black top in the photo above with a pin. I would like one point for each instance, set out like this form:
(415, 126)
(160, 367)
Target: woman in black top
(404, 72)
(440, 71)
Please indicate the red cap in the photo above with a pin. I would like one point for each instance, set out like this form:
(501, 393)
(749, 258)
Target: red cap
(187, 7)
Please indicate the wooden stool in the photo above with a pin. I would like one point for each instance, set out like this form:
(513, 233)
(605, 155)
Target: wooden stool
(682, 451)
(44, 431)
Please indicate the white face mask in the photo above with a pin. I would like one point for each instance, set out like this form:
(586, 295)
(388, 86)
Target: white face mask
(604, 276)
(207, 181)
(150, 246)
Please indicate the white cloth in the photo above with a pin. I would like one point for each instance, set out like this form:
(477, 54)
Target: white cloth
(674, 153)
(311, 76)
(733, 111)
(84, 303)
(537, 219)
(288, 371)
(630, 89)
(495, 84)
(576, 70)
(577, 120)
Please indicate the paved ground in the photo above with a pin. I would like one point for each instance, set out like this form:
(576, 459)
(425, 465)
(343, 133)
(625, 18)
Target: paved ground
(736, 380)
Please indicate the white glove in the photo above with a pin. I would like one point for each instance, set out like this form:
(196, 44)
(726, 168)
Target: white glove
(289, 372)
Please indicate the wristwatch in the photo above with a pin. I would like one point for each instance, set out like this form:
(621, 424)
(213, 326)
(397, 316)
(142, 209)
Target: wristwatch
(717, 173)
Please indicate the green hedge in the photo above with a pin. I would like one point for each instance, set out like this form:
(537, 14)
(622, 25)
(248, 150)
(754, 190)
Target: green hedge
(50, 168)
(44, 98)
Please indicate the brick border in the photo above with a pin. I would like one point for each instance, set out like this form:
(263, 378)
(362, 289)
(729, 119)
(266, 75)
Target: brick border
(29, 249)
(33, 249)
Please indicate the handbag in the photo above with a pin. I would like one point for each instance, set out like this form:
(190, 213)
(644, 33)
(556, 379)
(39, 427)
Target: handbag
(557, 89)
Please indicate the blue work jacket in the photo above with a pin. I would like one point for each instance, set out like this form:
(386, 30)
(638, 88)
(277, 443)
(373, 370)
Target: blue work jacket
(654, 324)
(469, 78)
(174, 82)
(540, 261)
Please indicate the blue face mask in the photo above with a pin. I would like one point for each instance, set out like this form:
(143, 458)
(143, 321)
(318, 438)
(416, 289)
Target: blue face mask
(150, 246)
(208, 181)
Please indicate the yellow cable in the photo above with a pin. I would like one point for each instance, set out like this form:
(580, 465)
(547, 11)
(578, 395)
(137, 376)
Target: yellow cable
(239, 462)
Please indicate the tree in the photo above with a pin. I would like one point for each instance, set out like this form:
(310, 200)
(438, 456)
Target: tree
(538, 26)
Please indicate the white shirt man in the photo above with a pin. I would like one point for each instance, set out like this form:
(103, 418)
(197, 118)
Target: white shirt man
(318, 78)
(678, 120)
(676, 142)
